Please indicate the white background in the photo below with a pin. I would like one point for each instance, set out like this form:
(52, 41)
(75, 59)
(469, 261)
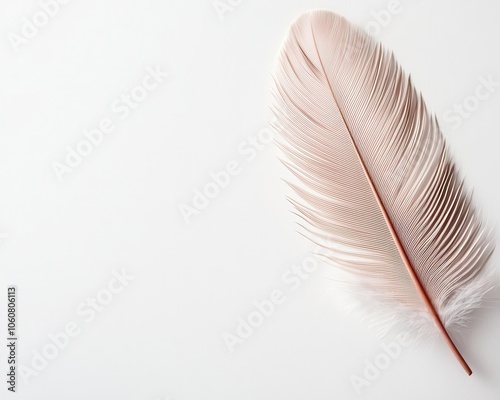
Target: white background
(162, 336)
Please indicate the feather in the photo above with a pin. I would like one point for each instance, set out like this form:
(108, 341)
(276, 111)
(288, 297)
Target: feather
(375, 185)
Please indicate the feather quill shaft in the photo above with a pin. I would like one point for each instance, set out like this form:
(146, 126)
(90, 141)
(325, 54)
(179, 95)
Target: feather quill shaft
(375, 179)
